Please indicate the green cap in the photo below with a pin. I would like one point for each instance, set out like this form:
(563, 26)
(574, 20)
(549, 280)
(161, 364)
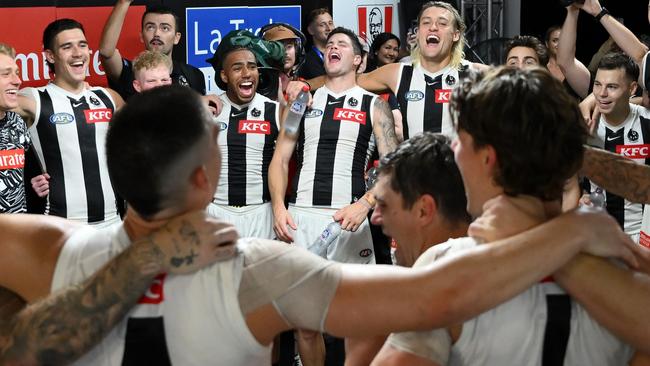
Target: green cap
(269, 54)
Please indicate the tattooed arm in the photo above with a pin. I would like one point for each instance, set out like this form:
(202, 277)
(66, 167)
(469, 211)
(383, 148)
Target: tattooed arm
(617, 174)
(383, 127)
(63, 326)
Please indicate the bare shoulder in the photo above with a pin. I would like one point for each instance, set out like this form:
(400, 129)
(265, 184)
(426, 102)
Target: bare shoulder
(119, 102)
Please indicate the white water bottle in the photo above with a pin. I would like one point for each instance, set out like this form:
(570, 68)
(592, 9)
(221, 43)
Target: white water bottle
(296, 111)
(325, 239)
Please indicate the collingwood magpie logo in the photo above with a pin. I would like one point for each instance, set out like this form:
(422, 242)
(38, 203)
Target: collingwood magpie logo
(353, 102)
(450, 80)
(256, 112)
(183, 81)
(94, 101)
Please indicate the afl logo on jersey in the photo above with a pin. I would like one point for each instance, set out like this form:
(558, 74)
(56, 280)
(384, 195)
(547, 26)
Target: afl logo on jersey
(365, 253)
(61, 118)
(414, 95)
(222, 126)
(313, 113)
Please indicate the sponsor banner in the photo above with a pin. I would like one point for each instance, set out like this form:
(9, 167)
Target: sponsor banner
(367, 17)
(634, 151)
(351, 115)
(259, 127)
(443, 95)
(102, 115)
(23, 29)
(206, 26)
(374, 19)
(12, 159)
(155, 293)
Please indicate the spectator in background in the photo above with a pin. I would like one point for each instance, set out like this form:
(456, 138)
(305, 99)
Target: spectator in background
(151, 69)
(552, 39)
(13, 136)
(384, 50)
(294, 50)
(526, 51)
(320, 25)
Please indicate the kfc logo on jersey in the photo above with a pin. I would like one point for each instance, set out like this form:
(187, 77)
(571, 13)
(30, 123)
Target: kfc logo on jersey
(98, 115)
(154, 294)
(352, 115)
(644, 239)
(12, 159)
(443, 95)
(259, 127)
(634, 151)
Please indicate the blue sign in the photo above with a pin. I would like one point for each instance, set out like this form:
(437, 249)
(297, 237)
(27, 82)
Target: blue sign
(205, 27)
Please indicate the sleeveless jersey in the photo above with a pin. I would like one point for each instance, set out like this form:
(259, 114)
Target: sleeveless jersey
(424, 98)
(13, 143)
(541, 326)
(247, 142)
(333, 149)
(69, 134)
(632, 140)
(164, 328)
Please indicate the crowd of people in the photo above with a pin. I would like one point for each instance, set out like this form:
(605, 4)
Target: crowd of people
(179, 228)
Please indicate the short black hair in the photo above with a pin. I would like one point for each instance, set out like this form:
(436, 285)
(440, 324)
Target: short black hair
(354, 39)
(56, 27)
(425, 164)
(161, 9)
(150, 134)
(529, 42)
(619, 60)
(532, 123)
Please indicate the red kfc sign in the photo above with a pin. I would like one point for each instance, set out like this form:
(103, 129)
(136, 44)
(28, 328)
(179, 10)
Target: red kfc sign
(374, 19)
(443, 95)
(352, 115)
(23, 29)
(259, 127)
(98, 115)
(634, 151)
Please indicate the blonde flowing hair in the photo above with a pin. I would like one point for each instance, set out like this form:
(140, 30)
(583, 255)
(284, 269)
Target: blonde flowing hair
(457, 52)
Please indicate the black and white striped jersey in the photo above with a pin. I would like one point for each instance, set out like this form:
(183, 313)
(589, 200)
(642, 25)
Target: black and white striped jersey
(69, 134)
(333, 148)
(424, 98)
(247, 141)
(13, 143)
(632, 140)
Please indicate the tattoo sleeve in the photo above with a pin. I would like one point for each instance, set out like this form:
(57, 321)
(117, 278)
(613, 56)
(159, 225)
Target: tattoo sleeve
(384, 128)
(617, 174)
(62, 327)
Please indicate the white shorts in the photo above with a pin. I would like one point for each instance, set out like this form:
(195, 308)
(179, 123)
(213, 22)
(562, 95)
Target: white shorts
(350, 247)
(108, 222)
(251, 221)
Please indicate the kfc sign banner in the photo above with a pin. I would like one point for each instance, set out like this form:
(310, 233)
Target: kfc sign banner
(23, 29)
(374, 19)
(370, 18)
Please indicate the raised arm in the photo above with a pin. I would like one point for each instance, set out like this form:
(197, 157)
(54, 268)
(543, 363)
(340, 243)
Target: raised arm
(110, 55)
(623, 37)
(62, 327)
(577, 75)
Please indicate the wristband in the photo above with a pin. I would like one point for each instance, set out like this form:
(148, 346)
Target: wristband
(602, 13)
